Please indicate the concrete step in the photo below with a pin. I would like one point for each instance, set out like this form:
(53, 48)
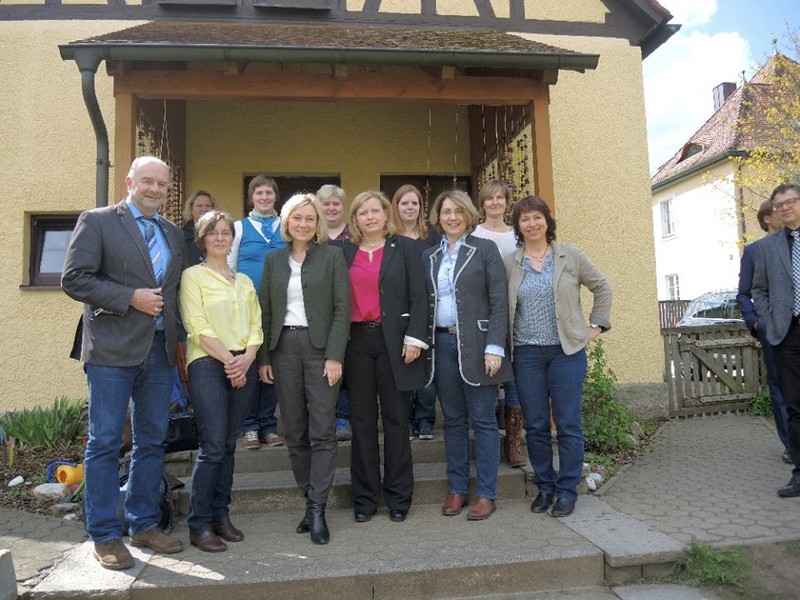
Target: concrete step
(278, 491)
(426, 558)
(267, 459)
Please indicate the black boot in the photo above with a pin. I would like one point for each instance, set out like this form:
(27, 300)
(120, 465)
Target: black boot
(304, 526)
(319, 528)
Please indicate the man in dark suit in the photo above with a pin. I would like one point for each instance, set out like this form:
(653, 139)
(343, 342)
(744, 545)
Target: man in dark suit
(770, 223)
(776, 297)
(124, 264)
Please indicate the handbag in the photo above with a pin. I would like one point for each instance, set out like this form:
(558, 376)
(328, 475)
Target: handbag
(181, 433)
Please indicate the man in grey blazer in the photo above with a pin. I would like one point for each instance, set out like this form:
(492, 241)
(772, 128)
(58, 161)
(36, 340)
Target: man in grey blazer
(124, 264)
(776, 297)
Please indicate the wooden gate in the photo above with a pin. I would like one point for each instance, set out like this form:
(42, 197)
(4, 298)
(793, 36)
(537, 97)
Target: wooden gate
(711, 368)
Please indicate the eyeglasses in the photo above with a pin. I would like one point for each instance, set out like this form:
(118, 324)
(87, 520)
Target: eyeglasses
(222, 234)
(788, 203)
(459, 212)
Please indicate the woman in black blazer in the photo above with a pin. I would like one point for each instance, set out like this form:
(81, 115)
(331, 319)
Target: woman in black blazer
(382, 362)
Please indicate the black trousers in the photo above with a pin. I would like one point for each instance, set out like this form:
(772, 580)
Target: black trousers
(787, 361)
(370, 382)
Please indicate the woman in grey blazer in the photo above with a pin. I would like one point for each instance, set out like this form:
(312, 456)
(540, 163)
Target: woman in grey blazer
(549, 337)
(467, 288)
(305, 304)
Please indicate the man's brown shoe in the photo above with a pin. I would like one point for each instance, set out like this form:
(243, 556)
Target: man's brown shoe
(157, 540)
(113, 555)
(207, 541)
(227, 531)
(453, 504)
(481, 510)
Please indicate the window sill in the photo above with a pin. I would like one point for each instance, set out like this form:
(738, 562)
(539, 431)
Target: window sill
(33, 287)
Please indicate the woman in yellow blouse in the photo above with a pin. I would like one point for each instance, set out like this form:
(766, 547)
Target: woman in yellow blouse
(222, 317)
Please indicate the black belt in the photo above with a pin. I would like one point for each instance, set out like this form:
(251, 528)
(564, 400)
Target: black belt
(796, 320)
(369, 324)
(296, 327)
(450, 329)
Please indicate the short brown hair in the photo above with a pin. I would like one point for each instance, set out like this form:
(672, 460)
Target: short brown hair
(528, 204)
(463, 200)
(207, 223)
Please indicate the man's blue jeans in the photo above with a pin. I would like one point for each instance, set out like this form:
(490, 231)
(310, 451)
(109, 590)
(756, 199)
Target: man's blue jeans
(462, 403)
(545, 373)
(218, 415)
(148, 387)
(259, 411)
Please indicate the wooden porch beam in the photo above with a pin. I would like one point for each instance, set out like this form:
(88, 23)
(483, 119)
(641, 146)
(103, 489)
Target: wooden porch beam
(543, 184)
(208, 85)
(124, 142)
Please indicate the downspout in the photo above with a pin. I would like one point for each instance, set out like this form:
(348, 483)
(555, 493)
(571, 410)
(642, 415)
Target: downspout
(88, 60)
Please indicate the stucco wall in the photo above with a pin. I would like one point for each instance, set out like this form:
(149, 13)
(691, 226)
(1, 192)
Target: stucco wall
(357, 140)
(602, 190)
(48, 166)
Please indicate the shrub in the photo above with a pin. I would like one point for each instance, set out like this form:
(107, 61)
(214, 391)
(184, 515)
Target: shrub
(761, 405)
(63, 423)
(606, 421)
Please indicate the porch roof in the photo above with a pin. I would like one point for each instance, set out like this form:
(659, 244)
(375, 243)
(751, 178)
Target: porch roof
(325, 43)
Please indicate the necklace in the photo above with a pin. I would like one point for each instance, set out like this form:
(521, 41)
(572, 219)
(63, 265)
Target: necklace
(227, 273)
(541, 257)
(371, 247)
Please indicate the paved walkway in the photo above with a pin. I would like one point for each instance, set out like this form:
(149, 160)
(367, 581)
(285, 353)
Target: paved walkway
(708, 478)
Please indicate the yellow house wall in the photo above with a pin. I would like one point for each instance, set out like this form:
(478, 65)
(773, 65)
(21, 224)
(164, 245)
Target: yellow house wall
(358, 141)
(602, 190)
(48, 167)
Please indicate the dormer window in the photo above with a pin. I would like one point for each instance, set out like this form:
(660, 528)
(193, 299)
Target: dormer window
(690, 150)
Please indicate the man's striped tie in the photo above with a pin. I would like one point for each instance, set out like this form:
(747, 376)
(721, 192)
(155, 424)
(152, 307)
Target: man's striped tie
(152, 245)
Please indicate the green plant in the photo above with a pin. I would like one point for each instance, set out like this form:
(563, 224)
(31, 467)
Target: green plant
(606, 460)
(761, 405)
(61, 424)
(702, 564)
(605, 419)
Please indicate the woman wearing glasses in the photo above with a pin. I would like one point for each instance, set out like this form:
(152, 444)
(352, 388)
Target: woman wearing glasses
(467, 281)
(222, 317)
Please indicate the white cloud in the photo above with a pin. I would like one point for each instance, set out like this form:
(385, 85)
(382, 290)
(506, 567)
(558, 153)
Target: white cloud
(679, 78)
(691, 13)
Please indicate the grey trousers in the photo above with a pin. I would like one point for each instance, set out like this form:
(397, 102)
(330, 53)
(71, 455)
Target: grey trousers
(308, 406)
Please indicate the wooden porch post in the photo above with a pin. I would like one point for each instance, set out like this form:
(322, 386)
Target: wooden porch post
(124, 141)
(542, 152)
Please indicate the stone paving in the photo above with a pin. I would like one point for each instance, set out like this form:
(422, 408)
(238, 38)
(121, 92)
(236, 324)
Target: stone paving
(710, 479)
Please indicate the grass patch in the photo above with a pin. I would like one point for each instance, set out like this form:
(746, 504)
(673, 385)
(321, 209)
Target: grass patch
(702, 564)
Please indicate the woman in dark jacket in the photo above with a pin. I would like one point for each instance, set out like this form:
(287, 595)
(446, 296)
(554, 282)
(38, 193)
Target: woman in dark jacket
(196, 206)
(382, 364)
(305, 301)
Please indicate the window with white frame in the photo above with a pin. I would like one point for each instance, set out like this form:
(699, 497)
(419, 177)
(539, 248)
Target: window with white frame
(673, 287)
(667, 218)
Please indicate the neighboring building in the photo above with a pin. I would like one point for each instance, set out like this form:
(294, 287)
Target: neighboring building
(362, 92)
(701, 214)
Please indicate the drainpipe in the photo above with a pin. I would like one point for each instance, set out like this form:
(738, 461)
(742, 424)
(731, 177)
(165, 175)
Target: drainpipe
(88, 61)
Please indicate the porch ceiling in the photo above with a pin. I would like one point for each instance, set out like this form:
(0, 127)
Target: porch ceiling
(325, 43)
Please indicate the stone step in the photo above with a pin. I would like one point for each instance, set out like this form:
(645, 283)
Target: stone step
(426, 558)
(267, 459)
(277, 490)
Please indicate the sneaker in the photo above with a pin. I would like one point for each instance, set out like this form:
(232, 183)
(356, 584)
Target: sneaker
(251, 440)
(271, 439)
(343, 431)
(113, 555)
(410, 432)
(425, 432)
(157, 540)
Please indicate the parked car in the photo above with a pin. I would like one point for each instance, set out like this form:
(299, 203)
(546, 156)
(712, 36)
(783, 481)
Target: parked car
(712, 308)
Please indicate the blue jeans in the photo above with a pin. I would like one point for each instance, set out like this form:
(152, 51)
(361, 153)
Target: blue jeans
(218, 415)
(462, 403)
(779, 413)
(511, 396)
(423, 407)
(544, 374)
(147, 387)
(343, 403)
(259, 411)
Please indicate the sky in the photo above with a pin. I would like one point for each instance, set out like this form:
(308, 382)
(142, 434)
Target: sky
(718, 40)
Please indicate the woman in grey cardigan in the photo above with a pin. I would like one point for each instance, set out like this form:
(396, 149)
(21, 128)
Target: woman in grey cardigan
(549, 337)
(305, 304)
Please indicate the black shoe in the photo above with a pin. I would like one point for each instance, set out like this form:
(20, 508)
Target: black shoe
(562, 508)
(786, 457)
(363, 516)
(304, 526)
(319, 527)
(791, 489)
(542, 502)
(398, 516)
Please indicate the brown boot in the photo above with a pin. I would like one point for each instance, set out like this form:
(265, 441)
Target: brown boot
(513, 442)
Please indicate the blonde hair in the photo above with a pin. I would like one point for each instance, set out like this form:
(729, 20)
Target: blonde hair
(356, 235)
(187, 208)
(462, 200)
(298, 201)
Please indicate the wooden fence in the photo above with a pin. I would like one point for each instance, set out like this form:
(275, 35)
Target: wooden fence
(671, 311)
(711, 368)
